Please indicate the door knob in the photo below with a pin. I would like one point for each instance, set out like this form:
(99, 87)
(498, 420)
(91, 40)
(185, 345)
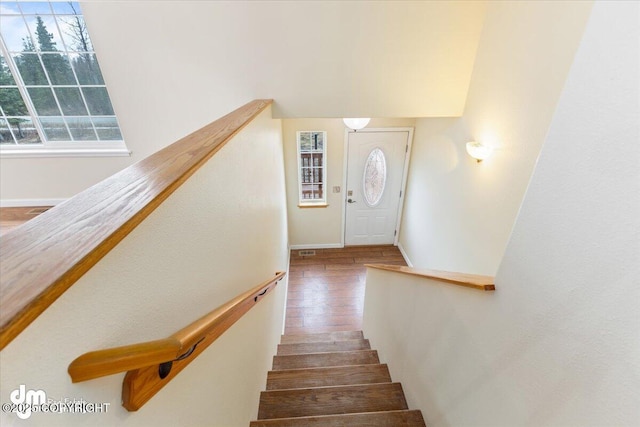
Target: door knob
(351, 201)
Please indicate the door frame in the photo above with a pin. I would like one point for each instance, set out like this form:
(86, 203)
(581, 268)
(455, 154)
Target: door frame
(405, 174)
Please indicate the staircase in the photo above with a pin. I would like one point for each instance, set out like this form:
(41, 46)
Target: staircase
(331, 379)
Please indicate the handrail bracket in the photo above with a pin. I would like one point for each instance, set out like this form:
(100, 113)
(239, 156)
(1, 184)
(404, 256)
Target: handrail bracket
(165, 368)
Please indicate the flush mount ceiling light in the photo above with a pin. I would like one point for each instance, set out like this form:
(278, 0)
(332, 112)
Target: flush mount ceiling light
(478, 151)
(356, 124)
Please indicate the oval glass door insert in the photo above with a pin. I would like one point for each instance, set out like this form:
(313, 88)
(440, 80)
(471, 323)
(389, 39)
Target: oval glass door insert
(374, 177)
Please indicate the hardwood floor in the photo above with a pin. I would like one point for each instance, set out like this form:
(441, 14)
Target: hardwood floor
(326, 290)
(10, 218)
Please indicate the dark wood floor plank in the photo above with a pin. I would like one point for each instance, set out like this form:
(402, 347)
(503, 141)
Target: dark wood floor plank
(346, 267)
(379, 260)
(321, 295)
(294, 322)
(389, 262)
(333, 320)
(299, 285)
(361, 248)
(307, 267)
(327, 310)
(391, 252)
(356, 283)
(293, 275)
(335, 273)
(348, 254)
(314, 260)
(328, 280)
(323, 300)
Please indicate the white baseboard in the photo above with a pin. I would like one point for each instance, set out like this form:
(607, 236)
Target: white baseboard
(318, 246)
(404, 255)
(19, 203)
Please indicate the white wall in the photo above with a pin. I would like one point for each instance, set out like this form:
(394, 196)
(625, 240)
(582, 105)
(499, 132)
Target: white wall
(221, 233)
(321, 227)
(557, 343)
(458, 213)
(173, 66)
(48, 181)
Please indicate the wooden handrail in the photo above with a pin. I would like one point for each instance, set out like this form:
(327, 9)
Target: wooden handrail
(175, 351)
(120, 359)
(42, 258)
(475, 281)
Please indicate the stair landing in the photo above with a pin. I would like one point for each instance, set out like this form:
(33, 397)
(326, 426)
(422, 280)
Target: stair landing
(326, 290)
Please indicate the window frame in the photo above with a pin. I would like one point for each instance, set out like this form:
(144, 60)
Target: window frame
(47, 147)
(318, 202)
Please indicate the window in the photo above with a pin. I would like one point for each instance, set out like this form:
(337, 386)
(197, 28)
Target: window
(312, 167)
(53, 100)
(374, 177)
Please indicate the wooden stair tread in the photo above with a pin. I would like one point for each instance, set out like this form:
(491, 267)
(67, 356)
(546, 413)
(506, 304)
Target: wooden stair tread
(331, 400)
(401, 418)
(323, 336)
(323, 346)
(317, 360)
(332, 379)
(328, 376)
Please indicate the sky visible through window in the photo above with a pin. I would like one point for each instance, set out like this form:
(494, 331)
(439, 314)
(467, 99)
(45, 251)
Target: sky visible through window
(51, 88)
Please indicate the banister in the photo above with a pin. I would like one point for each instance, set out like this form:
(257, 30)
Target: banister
(42, 258)
(152, 364)
(475, 281)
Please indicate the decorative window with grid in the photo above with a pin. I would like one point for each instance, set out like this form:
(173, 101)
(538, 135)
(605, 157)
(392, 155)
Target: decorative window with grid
(312, 175)
(53, 99)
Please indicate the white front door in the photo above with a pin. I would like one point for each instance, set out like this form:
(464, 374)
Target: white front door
(375, 172)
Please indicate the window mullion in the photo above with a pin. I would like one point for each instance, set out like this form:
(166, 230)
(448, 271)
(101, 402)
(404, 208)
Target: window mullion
(75, 76)
(4, 117)
(17, 77)
(55, 98)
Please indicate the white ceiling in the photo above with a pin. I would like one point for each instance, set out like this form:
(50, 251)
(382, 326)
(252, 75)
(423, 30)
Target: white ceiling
(315, 58)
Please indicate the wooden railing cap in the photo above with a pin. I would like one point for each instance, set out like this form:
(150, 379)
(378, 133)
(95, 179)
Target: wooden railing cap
(475, 281)
(42, 258)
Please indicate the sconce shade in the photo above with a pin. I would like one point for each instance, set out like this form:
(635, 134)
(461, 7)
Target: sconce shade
(478, 151)
(356, 124)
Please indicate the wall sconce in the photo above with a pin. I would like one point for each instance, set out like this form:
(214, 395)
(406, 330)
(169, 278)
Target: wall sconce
(478, 151)
(356, 124)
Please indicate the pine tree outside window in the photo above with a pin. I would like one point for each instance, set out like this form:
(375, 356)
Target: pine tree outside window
(53, 99)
